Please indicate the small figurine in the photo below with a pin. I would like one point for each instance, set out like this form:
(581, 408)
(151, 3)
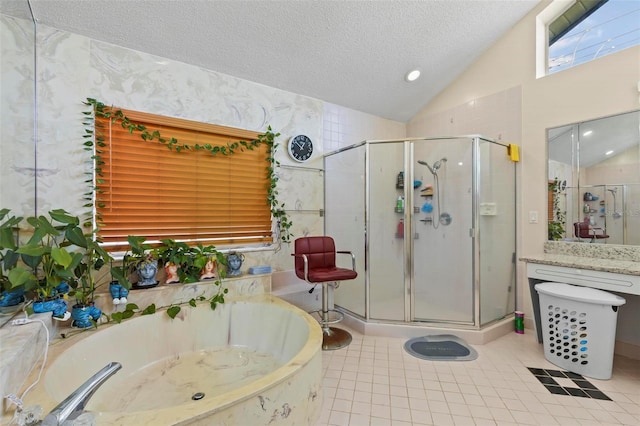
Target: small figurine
(147, 270)
(208, 270)
(118, 293)
(171, 270)
(234, 262)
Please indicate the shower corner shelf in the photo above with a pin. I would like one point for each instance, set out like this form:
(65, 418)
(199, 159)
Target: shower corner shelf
(399, 210)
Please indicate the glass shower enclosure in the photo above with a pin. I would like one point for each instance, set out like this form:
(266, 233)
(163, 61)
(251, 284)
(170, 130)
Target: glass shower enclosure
(432, 224)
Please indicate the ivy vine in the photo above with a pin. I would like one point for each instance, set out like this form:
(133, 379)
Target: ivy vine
(94, 142)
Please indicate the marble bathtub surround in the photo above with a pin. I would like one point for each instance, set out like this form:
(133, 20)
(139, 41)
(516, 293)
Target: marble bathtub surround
(173, 294)
(597, 257)
(21, 351)
(253, 372)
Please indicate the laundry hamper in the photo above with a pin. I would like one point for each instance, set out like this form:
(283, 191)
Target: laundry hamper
(579, 327)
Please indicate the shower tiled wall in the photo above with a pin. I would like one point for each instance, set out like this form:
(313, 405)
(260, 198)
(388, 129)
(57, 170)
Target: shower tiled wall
(343, 127)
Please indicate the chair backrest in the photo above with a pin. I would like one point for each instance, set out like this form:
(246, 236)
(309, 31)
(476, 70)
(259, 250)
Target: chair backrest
(581, 230)
(320, 251)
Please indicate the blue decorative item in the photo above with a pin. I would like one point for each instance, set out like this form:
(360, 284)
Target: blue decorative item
(417, 183)
(12, 298)
(234, 263)
(262, 269)
(57, 306)
(427, 207)
(82, 315)
(118, 293)
(62, 288)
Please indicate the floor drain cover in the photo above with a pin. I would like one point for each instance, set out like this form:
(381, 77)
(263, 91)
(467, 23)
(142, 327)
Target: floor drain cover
(442, 347)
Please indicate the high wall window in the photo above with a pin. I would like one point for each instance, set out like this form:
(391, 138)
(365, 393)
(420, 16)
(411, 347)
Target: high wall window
(148, 190)
(590, 29)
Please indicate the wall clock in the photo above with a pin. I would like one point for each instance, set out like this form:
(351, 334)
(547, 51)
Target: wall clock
(300, 148)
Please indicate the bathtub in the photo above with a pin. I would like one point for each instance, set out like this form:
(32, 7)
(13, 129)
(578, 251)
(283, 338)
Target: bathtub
(257, 361)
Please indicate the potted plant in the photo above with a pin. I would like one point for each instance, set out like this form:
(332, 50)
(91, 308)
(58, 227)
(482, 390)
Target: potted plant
(144, 261)
(84, 313)
(204, 263)
(173, 255)
(10, 296)
(48, 267)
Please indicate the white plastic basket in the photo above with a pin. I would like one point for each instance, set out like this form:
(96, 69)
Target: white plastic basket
(579, 327)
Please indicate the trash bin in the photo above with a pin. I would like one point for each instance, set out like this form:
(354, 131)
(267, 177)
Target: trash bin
(579, 327)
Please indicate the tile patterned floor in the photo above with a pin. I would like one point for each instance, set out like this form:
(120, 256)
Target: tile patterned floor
(374, 382)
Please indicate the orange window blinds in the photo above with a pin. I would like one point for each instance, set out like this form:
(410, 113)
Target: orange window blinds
(148, 190)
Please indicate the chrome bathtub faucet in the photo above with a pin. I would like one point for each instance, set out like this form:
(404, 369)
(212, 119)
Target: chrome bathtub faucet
(73, 405)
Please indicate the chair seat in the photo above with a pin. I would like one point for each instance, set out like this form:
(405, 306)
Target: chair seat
(320, 275)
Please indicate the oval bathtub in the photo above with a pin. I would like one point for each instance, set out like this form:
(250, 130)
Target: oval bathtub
(256, 361)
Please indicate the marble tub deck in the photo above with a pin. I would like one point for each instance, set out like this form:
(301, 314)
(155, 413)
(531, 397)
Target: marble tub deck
(271, 395)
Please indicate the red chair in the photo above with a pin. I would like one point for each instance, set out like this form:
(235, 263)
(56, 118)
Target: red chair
(583, 230)
(315, 262)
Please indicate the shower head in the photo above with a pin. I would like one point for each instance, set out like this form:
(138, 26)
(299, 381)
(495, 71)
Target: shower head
(613, 191)
(438, 163)
(424, 163)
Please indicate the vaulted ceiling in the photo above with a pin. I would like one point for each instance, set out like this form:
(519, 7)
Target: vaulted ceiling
(351, 53)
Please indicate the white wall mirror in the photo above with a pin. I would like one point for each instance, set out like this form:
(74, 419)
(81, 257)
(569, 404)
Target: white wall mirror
(594, 180)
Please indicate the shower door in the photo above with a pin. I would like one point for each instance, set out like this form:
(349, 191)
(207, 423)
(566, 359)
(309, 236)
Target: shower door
(442, 284)
(432, 225)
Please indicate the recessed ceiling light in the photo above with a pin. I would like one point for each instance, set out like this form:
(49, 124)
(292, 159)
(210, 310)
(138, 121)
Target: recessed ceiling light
(412, 75)
(608, 153)
(587, 133)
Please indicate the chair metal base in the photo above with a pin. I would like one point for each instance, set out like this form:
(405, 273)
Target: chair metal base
(334, 338)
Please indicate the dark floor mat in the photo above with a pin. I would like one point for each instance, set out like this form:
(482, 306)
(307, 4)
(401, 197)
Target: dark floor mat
(442, 347)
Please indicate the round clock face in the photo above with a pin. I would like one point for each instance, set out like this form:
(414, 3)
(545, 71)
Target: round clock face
(300, 148)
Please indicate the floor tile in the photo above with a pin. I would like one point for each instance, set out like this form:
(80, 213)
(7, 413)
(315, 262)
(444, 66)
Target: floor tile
(374, 382)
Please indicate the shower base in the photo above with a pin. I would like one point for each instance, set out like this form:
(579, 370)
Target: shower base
(411, 330)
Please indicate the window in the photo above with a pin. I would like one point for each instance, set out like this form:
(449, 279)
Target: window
(148, 190)
(590, 29)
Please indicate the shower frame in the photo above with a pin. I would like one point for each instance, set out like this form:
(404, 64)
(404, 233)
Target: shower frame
(409, 264)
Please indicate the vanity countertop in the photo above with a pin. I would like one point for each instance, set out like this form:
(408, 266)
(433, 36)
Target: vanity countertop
(596, 257)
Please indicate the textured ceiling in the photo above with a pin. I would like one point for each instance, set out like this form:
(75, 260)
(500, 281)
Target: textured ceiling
(351, 53)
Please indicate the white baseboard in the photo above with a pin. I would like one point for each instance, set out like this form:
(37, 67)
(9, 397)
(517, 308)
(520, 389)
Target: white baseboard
(628, 350)
(408, 331)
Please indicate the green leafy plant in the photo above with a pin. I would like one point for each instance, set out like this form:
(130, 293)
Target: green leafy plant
(8, 246)
(139, 252)
(173, 252)
(46, 258)
(198, 257)
(93, 259)
(57, 252)
(556, 227)
(94, 142)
